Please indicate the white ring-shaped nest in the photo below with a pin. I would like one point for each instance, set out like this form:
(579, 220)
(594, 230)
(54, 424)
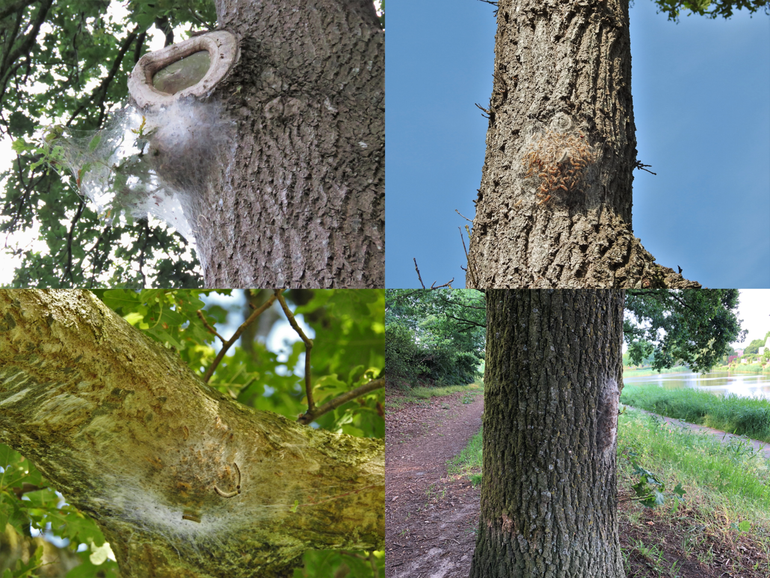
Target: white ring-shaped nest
(223, 53)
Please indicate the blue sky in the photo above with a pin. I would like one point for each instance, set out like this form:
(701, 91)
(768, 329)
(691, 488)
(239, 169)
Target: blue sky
(702, 110)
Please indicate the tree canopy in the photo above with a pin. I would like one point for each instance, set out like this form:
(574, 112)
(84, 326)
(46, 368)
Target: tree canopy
(435, 336)
(438, 335)
(258, 371)
(723, 8)
(691, 327)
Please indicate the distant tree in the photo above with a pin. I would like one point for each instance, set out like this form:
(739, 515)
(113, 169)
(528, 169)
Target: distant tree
(671, 325)
(554, 205)
(304, 202)
(434, 335)
(727, 354)
(551, 388)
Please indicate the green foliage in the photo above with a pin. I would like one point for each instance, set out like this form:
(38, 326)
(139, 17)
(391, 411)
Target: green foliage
(650, 490)
(693, 327)
(23, 570)
(434, 335)
(723, 8)
(753, 347)
(326, 563)
(348, 351)
(26, 503)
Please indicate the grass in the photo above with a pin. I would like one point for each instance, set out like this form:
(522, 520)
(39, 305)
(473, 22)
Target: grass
(755, 368)
(738, 415)
(721, 528)
(722, 525)
(644, 371)
(468, 462)
(424, 394)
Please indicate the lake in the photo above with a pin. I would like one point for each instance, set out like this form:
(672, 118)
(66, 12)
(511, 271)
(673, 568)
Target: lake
(740, 384)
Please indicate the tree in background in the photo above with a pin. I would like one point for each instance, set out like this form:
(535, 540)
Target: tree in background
(304, 202)
(434, 336)
(671, 326)
(554, 205)
(182, 477)
(552, 384)
(753, 347)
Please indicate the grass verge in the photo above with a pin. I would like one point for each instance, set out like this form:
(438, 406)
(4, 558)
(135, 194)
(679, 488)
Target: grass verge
(469, 462)
(649, 371)
(721, 528)
(424, 394)
(738, 415)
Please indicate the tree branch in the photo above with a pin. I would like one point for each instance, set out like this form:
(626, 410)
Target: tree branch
(20, 5)
(308, 346)
(26, 45)
(227, 344)
(101, 90)
(68, 268)
(125, 430)
(309, 416)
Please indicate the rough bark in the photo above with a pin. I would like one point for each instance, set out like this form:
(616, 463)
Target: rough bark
(554, 206)
(129, 435)
(551, 389)
(298, 197)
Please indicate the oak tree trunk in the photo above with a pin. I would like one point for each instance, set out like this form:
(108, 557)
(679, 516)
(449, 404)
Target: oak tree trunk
(300, 197)
(554, 206)
(551, 389)
(129, 435)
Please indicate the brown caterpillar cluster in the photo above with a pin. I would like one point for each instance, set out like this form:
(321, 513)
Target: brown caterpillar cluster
(560, 161)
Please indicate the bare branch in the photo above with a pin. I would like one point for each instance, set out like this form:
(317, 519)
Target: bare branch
(308, 346)
(463, 216)
(309, 416)
(209, 327)
(416, 268)
(227, 344)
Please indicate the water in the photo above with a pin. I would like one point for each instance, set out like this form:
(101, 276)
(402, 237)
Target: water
(721, 383)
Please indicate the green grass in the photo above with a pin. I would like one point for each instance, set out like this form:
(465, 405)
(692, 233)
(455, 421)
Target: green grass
(754, 368)
(738, 415)
(424, 394)
(468, 462)
(730, 478)
(726, 508)
(644, 371)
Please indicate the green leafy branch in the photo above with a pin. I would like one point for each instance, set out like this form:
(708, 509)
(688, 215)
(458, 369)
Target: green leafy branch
(650, 490)
(28, 503)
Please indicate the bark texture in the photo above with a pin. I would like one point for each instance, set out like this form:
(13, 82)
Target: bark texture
(297, 196)
(129, 435)
(554, 206)
(552, 384)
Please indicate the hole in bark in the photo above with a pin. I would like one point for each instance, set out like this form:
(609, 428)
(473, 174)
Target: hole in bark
(183, 73)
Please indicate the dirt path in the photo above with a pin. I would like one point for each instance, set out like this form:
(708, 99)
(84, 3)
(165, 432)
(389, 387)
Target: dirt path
(430, 517)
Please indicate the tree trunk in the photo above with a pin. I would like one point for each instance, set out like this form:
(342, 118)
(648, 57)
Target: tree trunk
(299, 197)
(552, 383)
(554, 207)
(183, 482)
